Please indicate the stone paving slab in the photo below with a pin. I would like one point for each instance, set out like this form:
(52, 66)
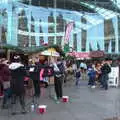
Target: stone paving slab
(85, 104)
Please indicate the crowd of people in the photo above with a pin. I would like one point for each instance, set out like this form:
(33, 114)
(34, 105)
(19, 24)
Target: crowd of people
(97, 73)
(14, 75)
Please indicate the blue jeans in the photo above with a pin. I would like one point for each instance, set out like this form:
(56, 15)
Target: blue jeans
(7, 95)
(77, 82)
(105, 81)
(91, 81)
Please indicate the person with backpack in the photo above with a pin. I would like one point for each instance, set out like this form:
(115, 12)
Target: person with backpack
(77, 75)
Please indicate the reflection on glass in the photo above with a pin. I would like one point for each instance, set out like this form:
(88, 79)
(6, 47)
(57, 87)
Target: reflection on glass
(51, 29)
(41, 37)
(109, 34)
(3, 26)
(23, 40)
(84, 35)
(33, 42)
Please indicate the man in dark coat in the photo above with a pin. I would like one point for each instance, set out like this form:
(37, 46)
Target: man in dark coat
(105, 70)
(18, 73)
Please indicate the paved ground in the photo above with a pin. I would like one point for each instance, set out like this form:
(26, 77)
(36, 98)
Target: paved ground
(85, 104)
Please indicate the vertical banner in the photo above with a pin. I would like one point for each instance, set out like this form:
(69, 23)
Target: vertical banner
(67, 36)
(68, 31)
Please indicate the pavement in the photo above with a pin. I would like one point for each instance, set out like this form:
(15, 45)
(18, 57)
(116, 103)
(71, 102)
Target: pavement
(85, 104)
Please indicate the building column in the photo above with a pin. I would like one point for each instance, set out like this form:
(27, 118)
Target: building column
(9, 37)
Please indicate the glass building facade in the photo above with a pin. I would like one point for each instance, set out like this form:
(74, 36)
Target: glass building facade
(27, 25)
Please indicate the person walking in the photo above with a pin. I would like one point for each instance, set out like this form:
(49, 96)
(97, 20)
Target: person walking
(92, 76)
(74, 68)
(77, 75)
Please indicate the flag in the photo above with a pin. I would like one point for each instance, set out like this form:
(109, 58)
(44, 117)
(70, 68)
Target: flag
(68, 31)
(67, 36)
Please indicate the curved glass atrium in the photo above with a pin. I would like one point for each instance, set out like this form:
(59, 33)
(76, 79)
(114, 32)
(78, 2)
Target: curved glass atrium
(30, 23)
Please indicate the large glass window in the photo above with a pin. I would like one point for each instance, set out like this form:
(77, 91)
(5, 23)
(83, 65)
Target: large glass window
(42, 21)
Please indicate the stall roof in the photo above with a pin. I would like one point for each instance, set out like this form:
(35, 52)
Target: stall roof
(31, 50)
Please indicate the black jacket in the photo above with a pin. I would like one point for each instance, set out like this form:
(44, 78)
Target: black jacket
(18, 72)
(105, 69)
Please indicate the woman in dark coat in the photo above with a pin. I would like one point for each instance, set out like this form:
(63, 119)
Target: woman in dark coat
(18, 73)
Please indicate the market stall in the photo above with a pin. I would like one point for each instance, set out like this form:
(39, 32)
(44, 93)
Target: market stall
(52, 55)
(48, 54)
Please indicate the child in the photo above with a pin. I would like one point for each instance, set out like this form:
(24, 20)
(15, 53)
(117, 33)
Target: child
(92, 75)
(77, 77)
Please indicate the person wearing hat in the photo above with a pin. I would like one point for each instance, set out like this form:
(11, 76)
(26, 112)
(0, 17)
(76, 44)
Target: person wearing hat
(18, 73)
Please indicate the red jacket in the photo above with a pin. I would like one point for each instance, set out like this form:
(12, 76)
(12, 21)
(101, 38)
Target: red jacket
(4, 73)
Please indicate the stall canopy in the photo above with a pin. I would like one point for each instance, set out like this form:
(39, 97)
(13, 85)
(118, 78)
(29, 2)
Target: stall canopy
(50, 52)
(87, 55)
(53, 50)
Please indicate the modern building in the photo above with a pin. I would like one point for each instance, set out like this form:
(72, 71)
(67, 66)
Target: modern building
(28, 23)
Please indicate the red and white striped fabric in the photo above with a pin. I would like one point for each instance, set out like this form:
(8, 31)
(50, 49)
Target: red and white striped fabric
(68, 31)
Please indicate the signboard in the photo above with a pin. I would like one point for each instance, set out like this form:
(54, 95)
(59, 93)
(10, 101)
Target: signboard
(80, 55)
(114, 77)
(87, 55)
(95, 54)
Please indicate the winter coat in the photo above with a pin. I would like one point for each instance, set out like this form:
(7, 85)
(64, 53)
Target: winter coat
(4, 73)
(33, 72)
(105, 69)
(59, 69)
(39, 71)
(18, 73)
(92, 73)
